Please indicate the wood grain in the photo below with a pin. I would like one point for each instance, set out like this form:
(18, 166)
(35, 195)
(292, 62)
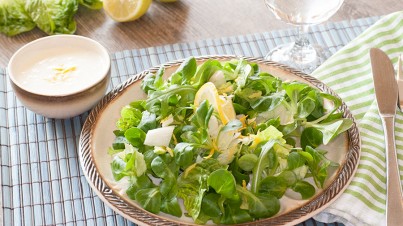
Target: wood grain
(188, 20)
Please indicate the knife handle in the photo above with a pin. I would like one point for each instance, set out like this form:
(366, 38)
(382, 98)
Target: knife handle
(394, 198)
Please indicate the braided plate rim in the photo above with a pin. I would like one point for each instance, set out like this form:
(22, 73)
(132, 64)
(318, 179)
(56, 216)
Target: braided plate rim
(138, 215)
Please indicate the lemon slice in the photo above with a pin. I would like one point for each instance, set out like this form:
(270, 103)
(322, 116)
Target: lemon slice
(222, 106)
(126, 10)
(228, 109)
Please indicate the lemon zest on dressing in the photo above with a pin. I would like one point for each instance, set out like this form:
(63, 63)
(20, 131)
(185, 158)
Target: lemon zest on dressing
(73, 68)
(61, 73)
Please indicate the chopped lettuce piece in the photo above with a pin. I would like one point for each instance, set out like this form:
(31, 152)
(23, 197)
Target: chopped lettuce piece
(269, 133)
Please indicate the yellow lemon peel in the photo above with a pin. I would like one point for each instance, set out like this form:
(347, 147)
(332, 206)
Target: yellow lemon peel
(222, 106)
(126, 10)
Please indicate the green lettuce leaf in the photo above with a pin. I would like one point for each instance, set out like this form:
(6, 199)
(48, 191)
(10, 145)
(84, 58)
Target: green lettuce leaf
(223, 183)
(13, 18)
(192, 185)
(172, 100)
(259, 205)
(53, 16)
(129, 117)
(92, 4)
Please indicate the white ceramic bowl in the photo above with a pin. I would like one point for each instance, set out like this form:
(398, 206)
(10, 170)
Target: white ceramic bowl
(60, 76)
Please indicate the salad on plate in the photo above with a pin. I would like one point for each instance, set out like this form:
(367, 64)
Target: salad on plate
(224, 142)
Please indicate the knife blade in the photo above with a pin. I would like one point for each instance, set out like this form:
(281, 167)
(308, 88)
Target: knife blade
(386, 92)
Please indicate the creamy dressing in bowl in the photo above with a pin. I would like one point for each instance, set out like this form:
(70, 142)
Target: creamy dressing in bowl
(62, 71)
(59, 67)
(60, 76)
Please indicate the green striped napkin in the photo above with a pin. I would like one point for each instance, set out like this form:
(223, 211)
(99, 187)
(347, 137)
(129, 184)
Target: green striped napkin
(349, 73)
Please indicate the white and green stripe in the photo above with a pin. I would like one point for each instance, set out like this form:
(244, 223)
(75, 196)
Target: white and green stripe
(348, 72)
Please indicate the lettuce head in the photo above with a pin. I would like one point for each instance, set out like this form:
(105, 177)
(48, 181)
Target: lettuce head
(13, 17)
(53, 16)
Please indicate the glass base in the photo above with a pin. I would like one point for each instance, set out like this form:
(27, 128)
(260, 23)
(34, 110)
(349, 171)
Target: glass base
(305, 59)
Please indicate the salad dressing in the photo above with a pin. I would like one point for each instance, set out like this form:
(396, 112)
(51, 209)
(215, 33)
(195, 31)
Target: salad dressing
(61, 71)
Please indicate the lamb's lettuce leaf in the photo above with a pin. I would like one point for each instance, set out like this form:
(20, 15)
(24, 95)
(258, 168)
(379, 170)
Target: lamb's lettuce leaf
(223, 182)
(192, 184)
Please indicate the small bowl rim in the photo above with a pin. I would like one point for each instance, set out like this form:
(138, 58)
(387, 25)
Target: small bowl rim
(105, 70)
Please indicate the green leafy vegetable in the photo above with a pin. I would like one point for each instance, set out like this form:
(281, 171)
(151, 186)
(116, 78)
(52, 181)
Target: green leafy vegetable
(223, 183)
(153, 82)
(131, 164)
(267, 159)
(259, 205)
(185, 73)
(149, 199)
(14, 18)
(183, 153)
(205, 71)
(171, 100)
(318, 165)
(135, 136)
(137, 184)
(193, 185)
(304, 188)
(53, 16)
(332, 129)
(225, 173)
(233, 214)
(147, 122)
(162, 170)
(171, 206)
(248, 161)
(92, 4)
(129, 117)
(118, 168)
(210, 206)
(311, 137)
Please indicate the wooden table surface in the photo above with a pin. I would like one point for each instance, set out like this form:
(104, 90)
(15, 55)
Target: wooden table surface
(188, 20)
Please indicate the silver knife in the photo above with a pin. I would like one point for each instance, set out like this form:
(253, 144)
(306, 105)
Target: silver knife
(386, 92)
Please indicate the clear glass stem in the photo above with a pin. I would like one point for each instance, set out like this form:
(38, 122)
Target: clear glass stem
(302, 52)
(299, 54)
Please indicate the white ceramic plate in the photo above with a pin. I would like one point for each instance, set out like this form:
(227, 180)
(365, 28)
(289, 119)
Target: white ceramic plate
(97, 135)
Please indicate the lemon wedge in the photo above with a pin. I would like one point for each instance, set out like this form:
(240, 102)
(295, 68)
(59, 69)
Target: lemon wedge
(223, 106)
(126, 10)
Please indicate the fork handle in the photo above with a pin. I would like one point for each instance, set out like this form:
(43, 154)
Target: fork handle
(394, 198)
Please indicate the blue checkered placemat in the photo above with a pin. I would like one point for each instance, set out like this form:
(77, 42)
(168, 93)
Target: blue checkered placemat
(41, 179)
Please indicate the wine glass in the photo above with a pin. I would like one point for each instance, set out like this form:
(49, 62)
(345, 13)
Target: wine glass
(302, 13)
